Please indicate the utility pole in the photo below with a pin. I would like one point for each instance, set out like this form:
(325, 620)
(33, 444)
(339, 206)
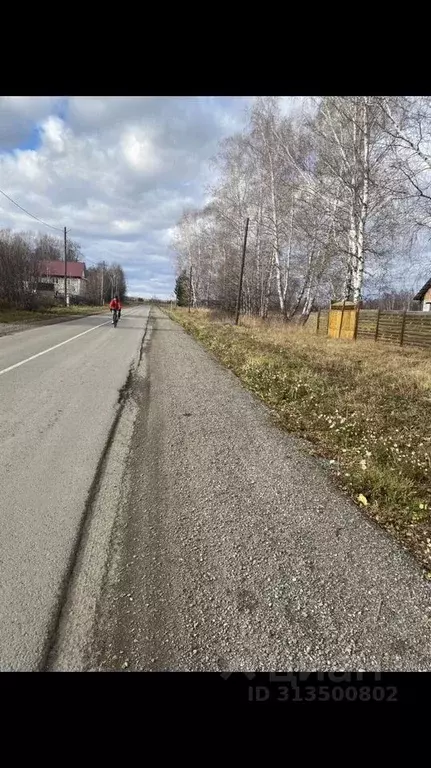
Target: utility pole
(102, 295)
(65, 267)
(238, 303)
(190, 287)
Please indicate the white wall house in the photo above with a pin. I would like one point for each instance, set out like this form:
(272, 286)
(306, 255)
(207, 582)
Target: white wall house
(52, 272)
(424, 295)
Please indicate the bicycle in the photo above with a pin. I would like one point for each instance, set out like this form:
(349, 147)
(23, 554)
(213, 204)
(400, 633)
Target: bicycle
(115, 317)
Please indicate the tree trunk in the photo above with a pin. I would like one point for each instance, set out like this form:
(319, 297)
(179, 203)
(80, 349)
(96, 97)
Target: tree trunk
(309, 300)
(307, 283)
(224, 278)
(268, 290)
(358, 277)
(276, 244)
(352, 236)
(287, 271)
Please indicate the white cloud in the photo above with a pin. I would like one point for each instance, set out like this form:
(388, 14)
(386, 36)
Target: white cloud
(140, 151)
(54, 134)
(19, 114)
(117, 170)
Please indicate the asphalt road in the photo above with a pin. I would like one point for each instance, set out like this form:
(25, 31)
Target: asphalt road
(214, 541)
(59, 389)
(233, 549)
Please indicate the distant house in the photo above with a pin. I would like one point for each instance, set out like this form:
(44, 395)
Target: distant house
(424, 295)
(51, 273)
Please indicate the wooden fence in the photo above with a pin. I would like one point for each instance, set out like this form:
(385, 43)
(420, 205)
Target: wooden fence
(403, 328)
(342, 322)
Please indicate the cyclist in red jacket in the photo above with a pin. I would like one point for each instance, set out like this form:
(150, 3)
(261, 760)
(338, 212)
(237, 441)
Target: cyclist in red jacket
(116, 304)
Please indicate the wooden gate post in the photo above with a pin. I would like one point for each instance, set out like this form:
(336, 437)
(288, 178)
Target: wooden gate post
(341, 321)
(318, 322)
(355, 332)
(377, 325)
(403, 327)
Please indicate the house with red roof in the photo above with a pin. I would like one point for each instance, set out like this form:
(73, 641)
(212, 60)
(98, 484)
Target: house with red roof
(51, 274)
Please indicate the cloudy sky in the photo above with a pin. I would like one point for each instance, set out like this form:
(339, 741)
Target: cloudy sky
(117, 171)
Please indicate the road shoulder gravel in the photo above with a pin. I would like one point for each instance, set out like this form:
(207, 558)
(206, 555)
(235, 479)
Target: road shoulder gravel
(233, 549)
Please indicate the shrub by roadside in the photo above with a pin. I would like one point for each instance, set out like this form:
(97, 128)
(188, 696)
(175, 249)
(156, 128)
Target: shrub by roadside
(365, 406)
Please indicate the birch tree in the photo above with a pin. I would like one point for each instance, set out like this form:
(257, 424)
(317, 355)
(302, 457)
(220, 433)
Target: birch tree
(331, 199)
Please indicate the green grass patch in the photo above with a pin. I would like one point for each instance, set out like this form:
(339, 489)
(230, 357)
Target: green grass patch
(365, 406)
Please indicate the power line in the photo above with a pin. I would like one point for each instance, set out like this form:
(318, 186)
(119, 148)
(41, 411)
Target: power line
(58, 229)
(115, 255)
(93, 262)
(30, 214)
(86, 258)
(96, 263)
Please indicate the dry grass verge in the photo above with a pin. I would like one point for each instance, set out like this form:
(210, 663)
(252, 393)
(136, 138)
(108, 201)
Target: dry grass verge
(27, 316)
(365, 406)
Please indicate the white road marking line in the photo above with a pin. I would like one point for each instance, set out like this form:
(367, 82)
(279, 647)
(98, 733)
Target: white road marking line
(45, 351)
